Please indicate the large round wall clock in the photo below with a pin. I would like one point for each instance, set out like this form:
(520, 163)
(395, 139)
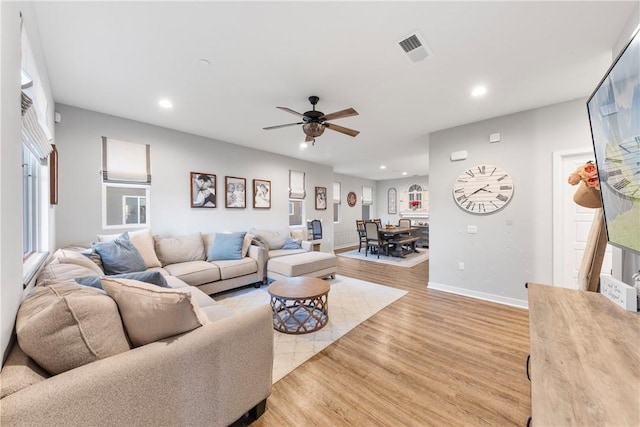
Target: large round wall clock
(483, 189)
(622, 167)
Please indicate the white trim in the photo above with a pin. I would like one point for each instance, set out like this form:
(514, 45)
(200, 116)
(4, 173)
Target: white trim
(558, 180)
(479, 295)
(146, 224)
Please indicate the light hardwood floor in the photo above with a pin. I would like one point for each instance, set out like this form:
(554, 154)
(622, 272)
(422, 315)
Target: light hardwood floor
(429, 359)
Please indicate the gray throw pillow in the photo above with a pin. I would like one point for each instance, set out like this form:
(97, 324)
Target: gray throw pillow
(152, 277)
(119, 256)
(226, 246)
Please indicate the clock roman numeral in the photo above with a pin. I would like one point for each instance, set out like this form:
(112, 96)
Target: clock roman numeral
(459, 190)
(494, 169)
(502, 177)
(506, 187)
(621, 184)
(470, 205)
(481, 169)
(470, 173)
(502, 198)
(481, 207)
(461, 199)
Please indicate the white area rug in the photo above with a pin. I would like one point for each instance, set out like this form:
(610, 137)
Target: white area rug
(410, 260)
(351, 302)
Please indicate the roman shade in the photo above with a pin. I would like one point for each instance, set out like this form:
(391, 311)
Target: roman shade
(35, 134)
(336, 192)
(367, 195)
(125, 162)
(296, 185)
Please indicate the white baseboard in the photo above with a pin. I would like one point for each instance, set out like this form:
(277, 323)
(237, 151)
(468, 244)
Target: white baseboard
(479, 295)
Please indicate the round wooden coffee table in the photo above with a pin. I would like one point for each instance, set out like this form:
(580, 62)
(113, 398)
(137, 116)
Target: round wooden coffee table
(299, 304)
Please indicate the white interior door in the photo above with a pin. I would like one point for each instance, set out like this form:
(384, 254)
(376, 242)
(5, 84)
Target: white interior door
(571, 221)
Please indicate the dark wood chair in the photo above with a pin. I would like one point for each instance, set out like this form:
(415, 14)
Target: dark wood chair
(374, 240)
(362, 234)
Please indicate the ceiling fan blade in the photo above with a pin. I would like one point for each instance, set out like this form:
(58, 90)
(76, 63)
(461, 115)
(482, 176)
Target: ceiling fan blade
(309, 139)
(340, 114)
(282, 126)
(341, 129)
(289, 110)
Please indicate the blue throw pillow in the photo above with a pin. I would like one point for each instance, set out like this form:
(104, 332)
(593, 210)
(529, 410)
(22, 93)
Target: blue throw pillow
(153, 277)
(226, 246)
(292, 244)
(119, 256)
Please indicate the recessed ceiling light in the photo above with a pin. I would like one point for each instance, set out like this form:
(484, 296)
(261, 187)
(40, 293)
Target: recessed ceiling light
(383, 167)
(479, 91)
(303, 145)
(165, 103)
(404, 173)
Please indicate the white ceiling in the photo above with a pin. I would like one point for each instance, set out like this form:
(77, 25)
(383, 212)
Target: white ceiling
(121, 58)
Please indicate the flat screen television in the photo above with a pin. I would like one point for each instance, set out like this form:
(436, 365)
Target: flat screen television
(614, 116)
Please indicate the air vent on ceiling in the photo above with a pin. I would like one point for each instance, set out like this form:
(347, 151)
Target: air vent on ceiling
(415, 47)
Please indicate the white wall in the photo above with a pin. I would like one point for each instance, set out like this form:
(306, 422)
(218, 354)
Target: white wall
(513, 245)
(11, 273)
(345, 231)
(173, 156)
(401, 185)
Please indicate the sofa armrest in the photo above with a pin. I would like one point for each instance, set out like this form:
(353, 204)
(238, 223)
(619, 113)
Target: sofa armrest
(307, 245)
(260, 255)
(209, 376)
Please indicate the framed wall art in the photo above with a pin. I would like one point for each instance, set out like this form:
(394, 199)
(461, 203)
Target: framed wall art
(235, 194)
(321, 198)
(392, 201)
(53, 176)
(351, 199)
(203, 190)
(261, 194)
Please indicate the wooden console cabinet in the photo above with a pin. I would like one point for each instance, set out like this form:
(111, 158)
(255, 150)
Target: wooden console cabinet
(585, 359)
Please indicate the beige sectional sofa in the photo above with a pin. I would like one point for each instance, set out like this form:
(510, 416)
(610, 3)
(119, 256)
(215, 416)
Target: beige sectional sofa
(136, 353)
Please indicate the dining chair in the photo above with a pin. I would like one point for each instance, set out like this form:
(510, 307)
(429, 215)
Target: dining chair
(378, 221)
(362, 234)
(374, 240)
(404, 223)
(316, 228)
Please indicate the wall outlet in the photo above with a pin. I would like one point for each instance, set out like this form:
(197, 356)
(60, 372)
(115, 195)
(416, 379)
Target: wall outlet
(461, 266)
(472, 229)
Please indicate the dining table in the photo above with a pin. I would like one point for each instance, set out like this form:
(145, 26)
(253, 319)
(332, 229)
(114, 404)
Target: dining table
(397, 237)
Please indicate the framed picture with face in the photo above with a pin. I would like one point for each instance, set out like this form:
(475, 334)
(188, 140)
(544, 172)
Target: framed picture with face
(261, 194)
(235, 194)
(203, 190)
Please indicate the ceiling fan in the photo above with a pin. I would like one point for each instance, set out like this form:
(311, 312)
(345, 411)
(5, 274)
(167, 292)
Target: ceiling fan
(314, 122)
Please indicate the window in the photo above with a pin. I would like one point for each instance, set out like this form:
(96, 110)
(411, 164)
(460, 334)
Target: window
(367, 195)
(126, 178)
(134, 211)
(366, 212)
(415, 194)
(336, 201)
(30, 193)
(295, 213)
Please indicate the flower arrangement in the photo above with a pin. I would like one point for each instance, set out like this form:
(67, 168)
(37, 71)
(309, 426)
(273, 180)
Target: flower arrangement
(587, 173)
(414, 204)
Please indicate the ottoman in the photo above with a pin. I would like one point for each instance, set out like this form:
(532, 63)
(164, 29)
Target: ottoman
(312, 264)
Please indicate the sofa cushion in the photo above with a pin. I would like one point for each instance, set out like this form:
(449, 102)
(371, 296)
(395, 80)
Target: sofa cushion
(20, 371)
(69, 256)
(217, 312)
(301, 264)
(56, 271)
(143, 241)
(236, 268)
(226, 246)
(151, 313)
(172, 250)
(152, 277)
(194, 273)
(66, 325)
(283, 252)
(272, 239)
(120, 256)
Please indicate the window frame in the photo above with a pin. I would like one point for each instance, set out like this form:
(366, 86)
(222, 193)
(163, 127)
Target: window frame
(147, 189)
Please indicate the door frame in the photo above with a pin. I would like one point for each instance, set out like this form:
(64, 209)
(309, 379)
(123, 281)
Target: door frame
(557, 259)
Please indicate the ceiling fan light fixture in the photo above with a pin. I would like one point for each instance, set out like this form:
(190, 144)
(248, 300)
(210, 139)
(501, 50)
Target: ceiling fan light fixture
(313, 129)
